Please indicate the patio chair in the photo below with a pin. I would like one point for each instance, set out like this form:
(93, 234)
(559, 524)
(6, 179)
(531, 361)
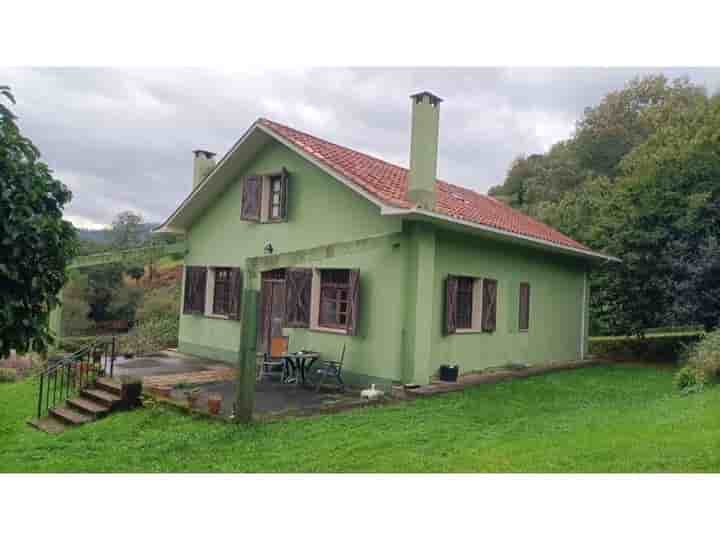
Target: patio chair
(276, 358)
(331, 369)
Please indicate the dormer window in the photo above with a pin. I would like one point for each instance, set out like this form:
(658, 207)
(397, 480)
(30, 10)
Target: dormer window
(264, 198)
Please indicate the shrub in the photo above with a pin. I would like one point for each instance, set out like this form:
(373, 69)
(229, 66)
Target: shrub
(8, 375)
(705, 355)
(151, 335)
(689, 379)
(665, 348)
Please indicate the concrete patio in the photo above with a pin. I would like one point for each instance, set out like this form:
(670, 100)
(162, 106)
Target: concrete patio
(169, 368)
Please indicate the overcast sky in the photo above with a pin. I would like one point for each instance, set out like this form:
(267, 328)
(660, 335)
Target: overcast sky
(122, 139)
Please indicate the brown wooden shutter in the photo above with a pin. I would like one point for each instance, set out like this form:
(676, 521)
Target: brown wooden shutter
(199, 290)
(298, 284)
(195, 283)
(353, 320)
(524, 318)
(187, 299)
(284, 195)
(252, 189)
(451, 286)
(489, 305)
(235, 292)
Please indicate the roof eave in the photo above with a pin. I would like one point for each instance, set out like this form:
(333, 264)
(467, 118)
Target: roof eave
(328, 170)
(168, 225)
(537, 242)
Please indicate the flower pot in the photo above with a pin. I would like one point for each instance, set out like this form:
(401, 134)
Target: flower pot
(449, 373)
(214, 404)
(192, 398)
(131, 392)
(163, 391)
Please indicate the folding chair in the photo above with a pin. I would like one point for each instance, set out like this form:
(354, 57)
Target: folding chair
(276, 358)
(332, 369)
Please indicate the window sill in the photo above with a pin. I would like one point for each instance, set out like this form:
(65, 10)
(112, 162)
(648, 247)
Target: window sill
(217, 316)
(469, 331)
(328, 330)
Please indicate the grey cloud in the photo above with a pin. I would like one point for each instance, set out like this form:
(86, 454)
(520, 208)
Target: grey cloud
(121, 139)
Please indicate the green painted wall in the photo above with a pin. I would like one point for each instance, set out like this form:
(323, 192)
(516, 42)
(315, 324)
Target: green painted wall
(377, 349)
(321, 211)
(555, 306)
(402, 268)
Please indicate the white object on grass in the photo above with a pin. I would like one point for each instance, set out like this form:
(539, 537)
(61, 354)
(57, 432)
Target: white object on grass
(371, 393)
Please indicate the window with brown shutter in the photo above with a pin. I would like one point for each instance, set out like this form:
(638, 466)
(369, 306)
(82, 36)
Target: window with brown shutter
(489, 304)
(195, 282)
(334, 298)
(221, 291)
(524, 311)
(277, 198)
(251, 193)
(464, 303)
(298, 285)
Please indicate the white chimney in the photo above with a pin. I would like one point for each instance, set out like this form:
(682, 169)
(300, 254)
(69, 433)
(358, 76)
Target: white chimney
(204, 163)
(424, 149)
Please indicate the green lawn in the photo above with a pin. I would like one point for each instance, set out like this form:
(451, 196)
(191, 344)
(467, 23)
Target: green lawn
(610, 418)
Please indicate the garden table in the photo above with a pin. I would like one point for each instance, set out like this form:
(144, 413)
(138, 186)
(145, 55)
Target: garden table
(300, 362)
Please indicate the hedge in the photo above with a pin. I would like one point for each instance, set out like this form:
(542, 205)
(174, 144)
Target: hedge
(654, 348)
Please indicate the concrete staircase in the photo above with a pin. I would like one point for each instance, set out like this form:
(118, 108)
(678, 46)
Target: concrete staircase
(92, 404)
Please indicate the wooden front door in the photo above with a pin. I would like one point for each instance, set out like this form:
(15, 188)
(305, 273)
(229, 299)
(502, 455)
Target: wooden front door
(272, 307)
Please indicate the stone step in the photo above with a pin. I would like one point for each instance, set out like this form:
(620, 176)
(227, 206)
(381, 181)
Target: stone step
(48, 425)
(88, 407)
(112, 386)
(70, 416)
(101, 396)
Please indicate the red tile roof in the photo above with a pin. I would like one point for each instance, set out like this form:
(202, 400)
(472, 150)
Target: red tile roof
(389, 183)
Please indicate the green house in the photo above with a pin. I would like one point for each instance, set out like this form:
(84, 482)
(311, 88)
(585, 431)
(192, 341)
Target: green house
(409, 272)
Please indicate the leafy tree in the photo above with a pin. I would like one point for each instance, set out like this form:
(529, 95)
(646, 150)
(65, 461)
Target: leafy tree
(107, 296)
(664, 221)
(37, 244)
(135, 272)
(127, 230)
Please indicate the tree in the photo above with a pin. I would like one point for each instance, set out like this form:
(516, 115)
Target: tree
(107, 297)
(127, 230)
(664, 223)
(37, 244)
(136, 272)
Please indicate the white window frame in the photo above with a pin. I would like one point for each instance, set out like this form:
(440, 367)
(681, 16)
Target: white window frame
(315, 306)
(210, 294)
(476, 318)
(265, 194)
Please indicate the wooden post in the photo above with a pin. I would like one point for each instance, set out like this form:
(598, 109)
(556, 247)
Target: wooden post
(55, 321)
(245, 396)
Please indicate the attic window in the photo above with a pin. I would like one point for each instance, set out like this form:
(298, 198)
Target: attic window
(264, 198)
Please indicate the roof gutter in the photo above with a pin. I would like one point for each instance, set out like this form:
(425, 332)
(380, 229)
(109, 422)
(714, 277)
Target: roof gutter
(417, 212)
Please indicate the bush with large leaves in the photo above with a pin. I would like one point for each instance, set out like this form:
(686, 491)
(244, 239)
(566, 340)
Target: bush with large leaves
(36, 244)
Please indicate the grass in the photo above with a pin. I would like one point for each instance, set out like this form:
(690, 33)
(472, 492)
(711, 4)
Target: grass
(615, 418)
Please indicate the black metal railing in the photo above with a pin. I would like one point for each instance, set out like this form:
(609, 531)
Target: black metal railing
(69, 375)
